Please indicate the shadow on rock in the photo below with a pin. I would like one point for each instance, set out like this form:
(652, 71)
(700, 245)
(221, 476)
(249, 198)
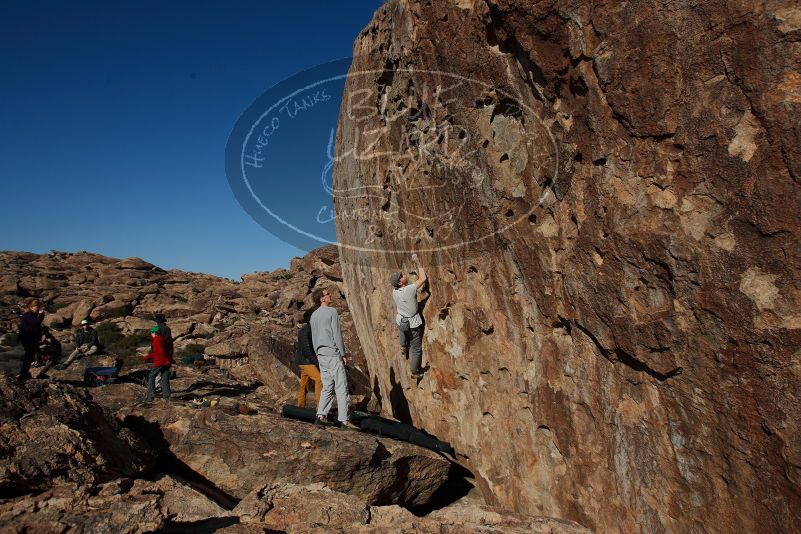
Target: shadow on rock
(400, 406)
(168, 463)
(458, 485)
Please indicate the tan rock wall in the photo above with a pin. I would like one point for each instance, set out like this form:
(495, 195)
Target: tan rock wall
(607, 197)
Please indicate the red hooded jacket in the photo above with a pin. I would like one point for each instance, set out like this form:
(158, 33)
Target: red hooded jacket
(159, 354)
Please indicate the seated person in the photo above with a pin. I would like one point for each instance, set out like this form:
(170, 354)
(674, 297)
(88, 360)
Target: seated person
(49, 351)
(86, 343)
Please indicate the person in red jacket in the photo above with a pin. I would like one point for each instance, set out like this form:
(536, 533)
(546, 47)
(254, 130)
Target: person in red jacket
(161, 365)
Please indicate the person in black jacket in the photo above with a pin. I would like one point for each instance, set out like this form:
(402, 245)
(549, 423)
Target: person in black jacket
(306, 359)
(30, 332)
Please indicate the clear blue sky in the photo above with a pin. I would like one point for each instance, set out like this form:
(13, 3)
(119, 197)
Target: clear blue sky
(114, 118)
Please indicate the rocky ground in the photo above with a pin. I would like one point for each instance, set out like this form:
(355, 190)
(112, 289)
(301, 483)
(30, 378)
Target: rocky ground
(216, 457)
(75, 459)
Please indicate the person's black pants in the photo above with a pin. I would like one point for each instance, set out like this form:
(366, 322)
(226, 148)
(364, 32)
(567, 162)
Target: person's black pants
(27, 360)
(164, 372)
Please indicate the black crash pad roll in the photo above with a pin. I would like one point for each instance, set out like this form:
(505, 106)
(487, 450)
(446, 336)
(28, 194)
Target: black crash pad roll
(403, 432)
(377, 425)
(296, 412)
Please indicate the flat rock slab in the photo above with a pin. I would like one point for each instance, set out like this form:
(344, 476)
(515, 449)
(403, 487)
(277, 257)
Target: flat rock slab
(239, 453)
(189, 383)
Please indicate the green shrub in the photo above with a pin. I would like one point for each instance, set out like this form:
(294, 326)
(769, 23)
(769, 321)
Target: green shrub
(117, 343)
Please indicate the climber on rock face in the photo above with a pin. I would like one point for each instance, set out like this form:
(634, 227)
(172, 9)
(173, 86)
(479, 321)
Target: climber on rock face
(407, 318)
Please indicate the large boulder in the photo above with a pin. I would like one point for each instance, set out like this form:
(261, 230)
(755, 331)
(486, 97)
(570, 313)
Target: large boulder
(269, 360)
(225, 350)
(115, 308)
(238, 453)
(53, 433)
(81, 311)
(134, 324)
(136, 264)
(61, 317)
(607, 200)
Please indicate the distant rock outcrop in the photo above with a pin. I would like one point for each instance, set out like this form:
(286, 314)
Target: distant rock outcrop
(608, 197)
(248, 327)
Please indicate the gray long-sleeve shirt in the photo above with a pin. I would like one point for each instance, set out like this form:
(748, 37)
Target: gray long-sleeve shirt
(326, 334)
